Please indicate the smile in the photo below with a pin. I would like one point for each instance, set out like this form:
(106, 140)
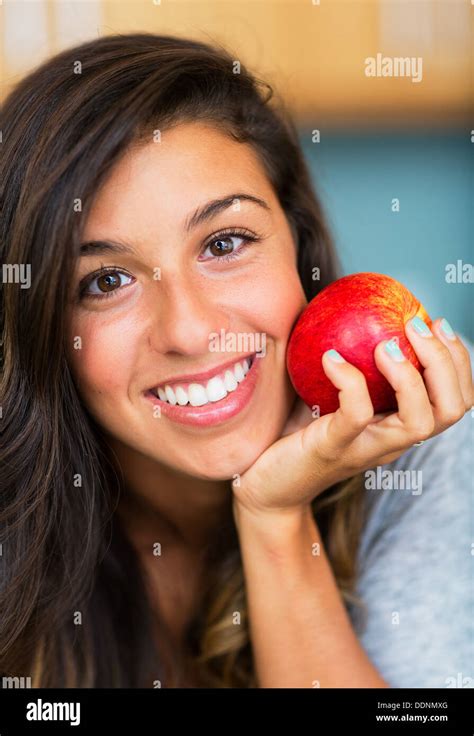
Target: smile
(199, 394)
(215, 397)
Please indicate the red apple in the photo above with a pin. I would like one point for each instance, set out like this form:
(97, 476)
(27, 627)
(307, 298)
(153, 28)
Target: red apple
(352, 315)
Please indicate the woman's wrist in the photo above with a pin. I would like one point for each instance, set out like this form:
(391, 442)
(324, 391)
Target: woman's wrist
(273, 525)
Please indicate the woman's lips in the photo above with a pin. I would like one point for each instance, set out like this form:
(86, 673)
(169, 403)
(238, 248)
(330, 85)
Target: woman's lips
(213, 412)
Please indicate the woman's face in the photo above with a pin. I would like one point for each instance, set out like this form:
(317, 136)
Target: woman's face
(183, 300)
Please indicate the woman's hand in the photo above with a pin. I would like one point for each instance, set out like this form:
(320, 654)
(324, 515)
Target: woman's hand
(314, 454)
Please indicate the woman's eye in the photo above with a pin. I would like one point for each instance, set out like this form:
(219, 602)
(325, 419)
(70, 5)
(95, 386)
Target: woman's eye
(224, 247)
(105, 284)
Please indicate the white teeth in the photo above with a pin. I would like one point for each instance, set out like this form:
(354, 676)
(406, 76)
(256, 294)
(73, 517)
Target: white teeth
(238, 372)
(181, 396)
(230, 381)
(197, 394)
(215, 389)
(170, 395)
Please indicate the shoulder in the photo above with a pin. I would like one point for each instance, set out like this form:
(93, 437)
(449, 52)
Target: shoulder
(415, 562)
(430, 483)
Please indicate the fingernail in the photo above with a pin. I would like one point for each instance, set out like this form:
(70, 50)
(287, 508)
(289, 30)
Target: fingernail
(420, 327)
(392, 348)
(447, 329)
(335, 356)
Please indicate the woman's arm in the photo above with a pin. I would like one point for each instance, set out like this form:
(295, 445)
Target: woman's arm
(301, 633)
(300, 630)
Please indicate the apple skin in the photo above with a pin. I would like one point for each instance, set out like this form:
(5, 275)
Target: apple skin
(352, 315)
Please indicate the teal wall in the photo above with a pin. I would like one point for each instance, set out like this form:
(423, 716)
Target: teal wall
(358, 175)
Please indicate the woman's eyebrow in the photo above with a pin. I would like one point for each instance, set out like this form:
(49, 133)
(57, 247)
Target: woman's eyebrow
(96, 247)
(203, 213)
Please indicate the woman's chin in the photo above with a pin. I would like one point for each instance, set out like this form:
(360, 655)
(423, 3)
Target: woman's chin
(227, 469)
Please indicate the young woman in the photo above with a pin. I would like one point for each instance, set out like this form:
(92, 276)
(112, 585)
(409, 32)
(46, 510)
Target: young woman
(171, 516)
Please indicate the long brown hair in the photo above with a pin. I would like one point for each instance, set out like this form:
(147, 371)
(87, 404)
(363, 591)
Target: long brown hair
(73, 604)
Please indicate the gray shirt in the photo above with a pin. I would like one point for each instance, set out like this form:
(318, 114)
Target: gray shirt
(416, 560)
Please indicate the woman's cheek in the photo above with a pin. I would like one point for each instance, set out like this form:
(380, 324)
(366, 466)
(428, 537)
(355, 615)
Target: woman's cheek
(100, 365)
(275, 301)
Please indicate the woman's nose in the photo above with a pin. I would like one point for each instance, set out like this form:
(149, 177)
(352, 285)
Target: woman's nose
(186, 318)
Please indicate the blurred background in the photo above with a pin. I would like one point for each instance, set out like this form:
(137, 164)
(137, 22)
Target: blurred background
(391, 157)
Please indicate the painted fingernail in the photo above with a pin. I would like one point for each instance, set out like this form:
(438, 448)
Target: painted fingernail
(447, 329)
(335, 356)
(420, 327)
(392, 348)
